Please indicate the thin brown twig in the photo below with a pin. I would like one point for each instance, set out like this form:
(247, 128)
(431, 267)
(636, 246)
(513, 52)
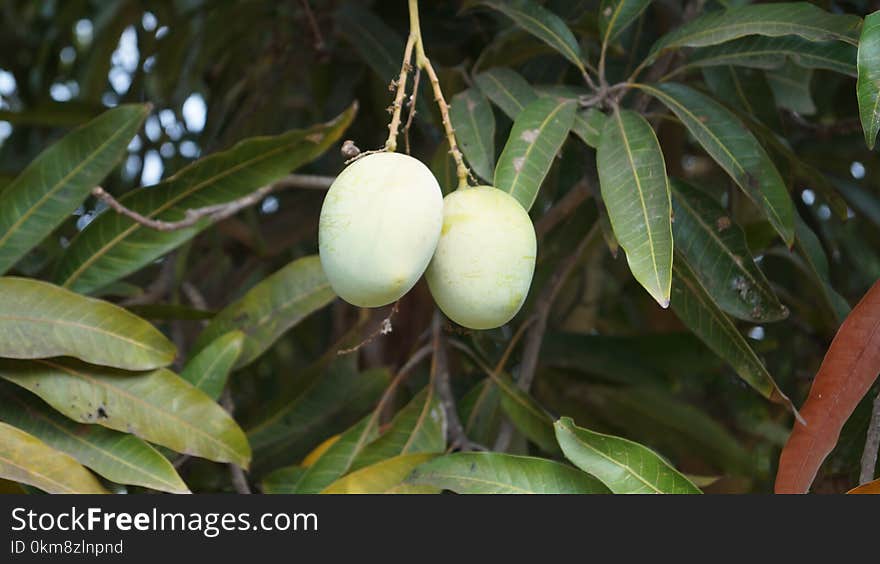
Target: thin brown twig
(236, 473)
(412, 108)
(544, 304)
(215, 212)
(563, 208)
(383, 328)
(313, 24)
(872, 445)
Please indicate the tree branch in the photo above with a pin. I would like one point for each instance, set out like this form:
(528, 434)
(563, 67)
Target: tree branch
(872, 445)
(219, 211)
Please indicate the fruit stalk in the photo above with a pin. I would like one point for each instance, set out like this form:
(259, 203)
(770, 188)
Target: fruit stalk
(414, 41)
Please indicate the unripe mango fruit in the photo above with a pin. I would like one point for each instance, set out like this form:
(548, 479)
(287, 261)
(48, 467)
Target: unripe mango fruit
(484, 263)
(379, 226)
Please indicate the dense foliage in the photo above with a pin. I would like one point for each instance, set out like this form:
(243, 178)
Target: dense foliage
(702, 180)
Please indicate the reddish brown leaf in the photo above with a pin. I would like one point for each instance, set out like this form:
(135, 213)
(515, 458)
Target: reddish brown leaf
(849, 369)
(869, 488)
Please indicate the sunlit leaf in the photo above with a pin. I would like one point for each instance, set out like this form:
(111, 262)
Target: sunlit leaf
(537, 135)
(497, 473)
(282, 481)
(119, 457)
(337, 459)
(156, 406)
(622, 465)
(635, 189)
(113, 246)
(848, 371)
(40, 320)
(26, 459)
(55, 183)
(385, 477)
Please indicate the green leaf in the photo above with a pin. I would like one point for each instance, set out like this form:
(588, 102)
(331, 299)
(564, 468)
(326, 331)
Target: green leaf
(810, 248)
(868, 84)
(506, 89)
(209, 369)
(26, 459)
(156, 406)
(386, 477)
(55, 183)
(617, 15)
(622, 465)
(481, 412)
(540, 22)
(168, 312)
(716, 250)
(379, 45)
(776, 19)
(526, 414)
(119, 457)
(419, 427)
(772, 52)
(791, 88)
(338, 459)
(632, 178)
(474, 125)
(746, 90)
(270, 308)
(694, 307)
(587, 123)
(40, 320)
(496, 473)
(282, 481)
(734, 148)
(537, 135)
(113, 246)
(330, 404)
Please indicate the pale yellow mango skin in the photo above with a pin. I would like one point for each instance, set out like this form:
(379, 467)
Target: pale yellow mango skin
(483, 266)
(379, 226)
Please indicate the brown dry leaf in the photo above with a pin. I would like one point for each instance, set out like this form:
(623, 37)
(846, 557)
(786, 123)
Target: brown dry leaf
(869, 488)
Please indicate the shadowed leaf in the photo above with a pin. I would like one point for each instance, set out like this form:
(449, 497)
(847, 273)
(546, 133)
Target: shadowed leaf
(868, 84)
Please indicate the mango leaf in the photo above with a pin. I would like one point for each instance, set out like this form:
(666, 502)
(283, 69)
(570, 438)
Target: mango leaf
(808, 246)
(168, 312)
(537, 135)
(772, 52)
(40, 320)
(776, 19)
(156, 406)
(744, 89)
(119, 457)
(55, 183)
(587, 124)
(869, 488)
(716, 250)
(333, 402)
(791, 88)
(632, 178)
(615, 16)
(270, 308)
(540, 22)
(385, 477)
(474, 125)
(282, 481)
(113, 246)
(622, 465)
(868, 84)
(734, 148)
(481, 412)
(337, 460)
(27, 460)
(419, 427)
(209, 369)
(496, 473)
(507, 89)
(847, 372)
(695, 308)
(526, 414)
